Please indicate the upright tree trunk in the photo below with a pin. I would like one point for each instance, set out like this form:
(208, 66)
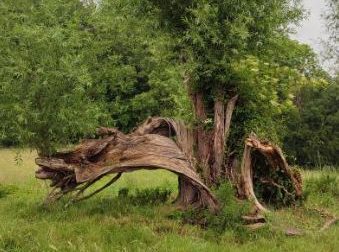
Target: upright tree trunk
(230, 166)
(211, 143)
(202, 138)
(218, 140)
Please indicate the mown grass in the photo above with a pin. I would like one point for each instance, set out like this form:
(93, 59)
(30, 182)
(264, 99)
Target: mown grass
(107, 222)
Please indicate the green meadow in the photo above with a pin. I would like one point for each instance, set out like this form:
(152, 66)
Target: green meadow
(107, 222)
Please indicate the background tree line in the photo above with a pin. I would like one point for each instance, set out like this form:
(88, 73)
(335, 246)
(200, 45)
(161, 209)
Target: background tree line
(66, 68)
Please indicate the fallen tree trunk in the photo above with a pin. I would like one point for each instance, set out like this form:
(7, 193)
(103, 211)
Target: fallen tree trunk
(149, 147)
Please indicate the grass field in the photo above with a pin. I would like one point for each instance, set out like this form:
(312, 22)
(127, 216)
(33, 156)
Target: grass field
(108, 223)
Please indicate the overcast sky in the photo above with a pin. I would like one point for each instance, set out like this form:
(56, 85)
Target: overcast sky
(312, 30)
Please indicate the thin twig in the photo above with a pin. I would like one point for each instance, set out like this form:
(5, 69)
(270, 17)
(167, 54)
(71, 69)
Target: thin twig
(100, 189)
(271, 182)
(88, 184)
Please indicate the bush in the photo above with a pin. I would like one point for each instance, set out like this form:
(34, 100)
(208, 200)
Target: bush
(229, 216)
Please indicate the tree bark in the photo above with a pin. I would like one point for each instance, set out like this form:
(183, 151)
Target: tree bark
(218, 141)
(202, 138)
(228, 115)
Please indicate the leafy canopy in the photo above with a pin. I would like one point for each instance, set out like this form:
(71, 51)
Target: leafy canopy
(67, 68)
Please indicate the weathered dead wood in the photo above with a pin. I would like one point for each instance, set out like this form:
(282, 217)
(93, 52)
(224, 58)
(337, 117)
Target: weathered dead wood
(222, 124)
(218, 141)
(228, 115)
(148, 147)
(329, 223)
(113, 180)
(229, 170)
(253, 219)
(203, 138)
(271, 182)
(276, 160)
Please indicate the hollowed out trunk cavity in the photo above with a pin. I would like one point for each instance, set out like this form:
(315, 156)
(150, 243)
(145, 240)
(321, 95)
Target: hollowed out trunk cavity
(272, 186)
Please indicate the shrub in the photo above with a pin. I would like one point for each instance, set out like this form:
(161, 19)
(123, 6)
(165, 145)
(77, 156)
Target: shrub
(229, 216)
(231, 210)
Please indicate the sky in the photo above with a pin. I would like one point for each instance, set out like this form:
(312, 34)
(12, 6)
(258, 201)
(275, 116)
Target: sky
(312, 30)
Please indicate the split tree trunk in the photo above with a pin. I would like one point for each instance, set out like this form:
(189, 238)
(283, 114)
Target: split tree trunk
(276, 162)
(161, 143)
(211, 143)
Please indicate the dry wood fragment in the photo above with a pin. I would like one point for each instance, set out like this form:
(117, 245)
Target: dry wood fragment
(293, 232)
(329, 223)
(254, 219)
(276, 160)
(256, 226)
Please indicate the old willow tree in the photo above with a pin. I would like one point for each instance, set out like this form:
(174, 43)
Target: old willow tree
(240, 79)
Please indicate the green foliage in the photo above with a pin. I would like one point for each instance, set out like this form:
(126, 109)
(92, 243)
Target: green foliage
(229, 217)
(220, 33)
(231, 210)
(242, 47)
(67, 68)
(43, 81)
(133, 65)
(313, 137)
(265, 97)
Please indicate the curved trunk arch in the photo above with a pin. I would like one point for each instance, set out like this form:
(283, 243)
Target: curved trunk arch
(149, 147)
